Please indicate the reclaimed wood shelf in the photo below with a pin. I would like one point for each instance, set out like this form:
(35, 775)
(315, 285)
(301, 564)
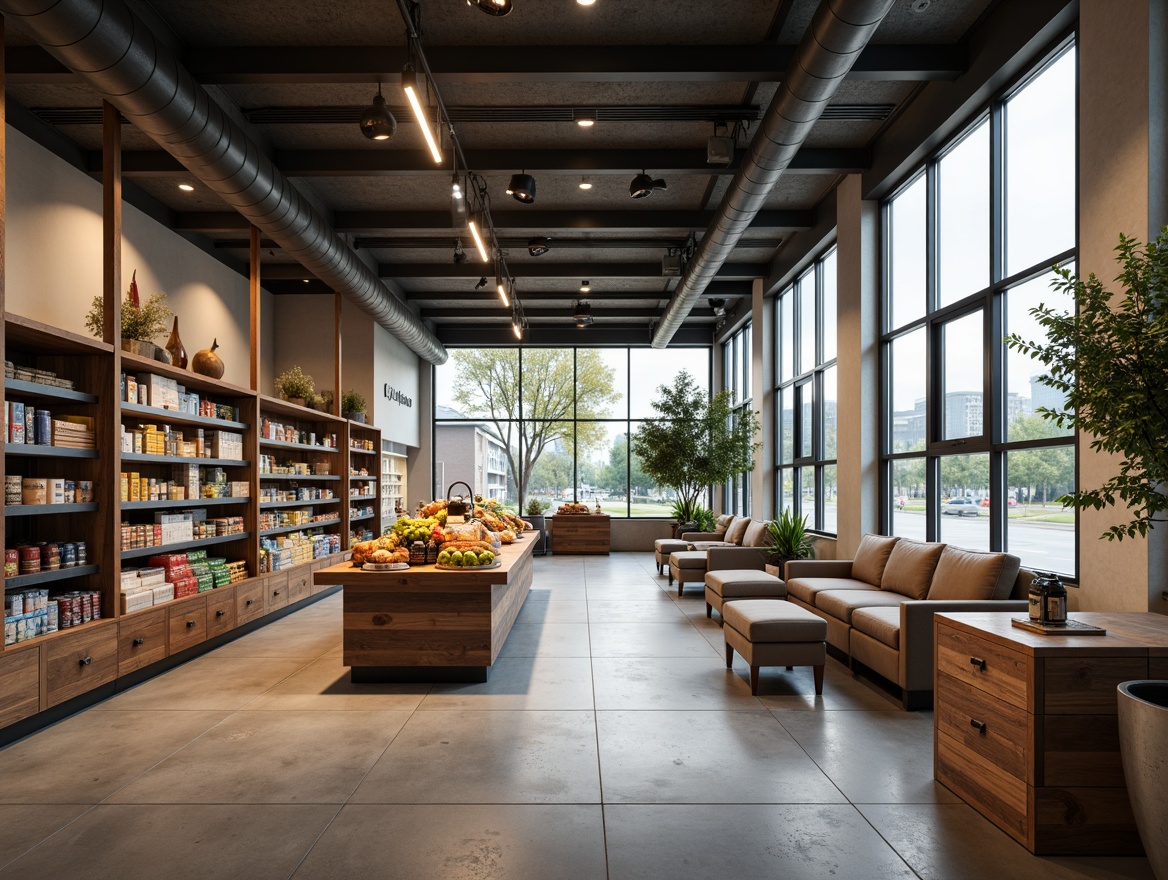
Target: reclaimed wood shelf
(584, 534)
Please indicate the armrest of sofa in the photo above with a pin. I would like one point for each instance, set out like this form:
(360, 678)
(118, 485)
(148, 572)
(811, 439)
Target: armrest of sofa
(819, 568)
(916, 633)
(701, 536)
(722, 558)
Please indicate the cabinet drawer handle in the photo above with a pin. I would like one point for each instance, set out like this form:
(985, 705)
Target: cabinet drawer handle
(249, 601)
(980, 726)
(190, 623)
(978, 662)
(139, 641)
(275, 592)
(86, 661)
(220, 613)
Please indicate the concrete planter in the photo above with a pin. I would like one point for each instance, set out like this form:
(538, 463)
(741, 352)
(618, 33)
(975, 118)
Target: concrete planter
(776, 570)
(1143, 743)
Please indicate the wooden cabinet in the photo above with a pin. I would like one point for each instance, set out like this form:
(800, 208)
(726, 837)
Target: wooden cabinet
(1026, 731)
(220, 611)
(80, 661)
(141, 640)
(188, 623)
(299, 583)
(276, 591)
(249, 600)
(20, 684)
(583, 534)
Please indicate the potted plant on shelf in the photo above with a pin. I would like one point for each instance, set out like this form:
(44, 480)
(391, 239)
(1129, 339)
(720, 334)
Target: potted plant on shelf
(295, 386)
(787, 539)
(353, 406)
(141, 321)
(325, 401)
(534, 511)
(1108, 354)
(695, 441)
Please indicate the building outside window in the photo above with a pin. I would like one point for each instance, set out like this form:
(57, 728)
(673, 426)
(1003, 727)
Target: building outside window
(736, 360)
(805, 395)
(969, 242)
(561, 419)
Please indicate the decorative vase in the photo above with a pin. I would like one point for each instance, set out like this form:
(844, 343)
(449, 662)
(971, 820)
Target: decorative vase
(174, 347)
(1143, 742)
(298, 401)
(207, 363)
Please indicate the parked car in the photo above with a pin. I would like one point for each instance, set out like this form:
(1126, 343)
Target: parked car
(1010, 502)
(960, 507)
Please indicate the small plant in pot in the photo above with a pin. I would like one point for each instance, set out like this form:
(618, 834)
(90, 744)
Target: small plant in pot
(353, 406)
(536, 507)
(295, 386)
(141, 321)
(787, 539)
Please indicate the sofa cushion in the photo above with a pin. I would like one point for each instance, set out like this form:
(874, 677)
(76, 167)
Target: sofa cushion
(805, 589)
(871, 557)
(971, 574)
(737, 530)
(756, 534)
(769, 620)
(706, 545)
(841, 603)
(688, 559)
(910, 568)
(723, 522)
(882, 624)
(745, 584)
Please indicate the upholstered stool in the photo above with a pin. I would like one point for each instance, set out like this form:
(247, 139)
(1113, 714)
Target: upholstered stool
(686, 567)
(662, 547)
(746, 583)
(772, 632)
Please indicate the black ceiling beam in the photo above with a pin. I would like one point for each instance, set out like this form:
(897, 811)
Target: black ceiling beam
(393, 163)
(763, 62)
(564, 313)
(590, 270)
(596, 336)
(716, 289)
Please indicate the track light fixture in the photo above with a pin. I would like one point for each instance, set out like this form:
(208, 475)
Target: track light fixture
(501, 286)
(584, 118)
(459, 253)
(377, 123)
(585, 182)
(457, 203)
(409, 82)
(516, 322)
(582, 315)
(475, 226)
(719, 307)
(585, 286)
(522, 188)
(482, 283)
(643, 186)
(539, 246)
(497, 8)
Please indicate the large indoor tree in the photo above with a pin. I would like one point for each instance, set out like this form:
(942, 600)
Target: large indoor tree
(559, 386)
(696, 440)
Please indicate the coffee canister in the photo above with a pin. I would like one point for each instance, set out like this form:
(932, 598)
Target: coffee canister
(50, 556)
(70, 492)
(57, 491)
(82, 557)
(68, 555)
(30, 559)
(34, 490)
(13, 493)
(11, 563)
(85, 491)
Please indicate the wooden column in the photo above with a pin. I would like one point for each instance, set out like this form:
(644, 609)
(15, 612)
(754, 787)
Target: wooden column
(3, 255)
(107, 491)
(254, 291)
(337, 350)
(252, 436)
(111, 214)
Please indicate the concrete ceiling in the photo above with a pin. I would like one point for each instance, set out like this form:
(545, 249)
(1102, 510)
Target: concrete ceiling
(664, 71)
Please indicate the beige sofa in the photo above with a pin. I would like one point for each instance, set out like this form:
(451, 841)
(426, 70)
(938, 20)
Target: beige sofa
(744, 544)
(662, 547)
(879, 606)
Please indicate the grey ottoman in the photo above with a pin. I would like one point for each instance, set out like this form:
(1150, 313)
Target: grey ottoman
(770, 632)
(662, 547)
(733, 583)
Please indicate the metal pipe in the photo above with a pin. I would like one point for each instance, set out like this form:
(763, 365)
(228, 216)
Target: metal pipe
(109, 47)
(838, 32)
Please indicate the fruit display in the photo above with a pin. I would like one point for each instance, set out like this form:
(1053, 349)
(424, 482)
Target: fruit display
(387, 548)
(425, 529)
(466, 558)
(571, 509)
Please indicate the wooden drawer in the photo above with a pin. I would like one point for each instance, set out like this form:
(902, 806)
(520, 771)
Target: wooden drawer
(996, 794)
(1158, 667)
(276, 591)
(985, 665)
(141, 640)
(995, 730)
(220, 611)
(188, 623)
(79, 662)
(1087, 684)
(20, 684)
(299, 583)
(249, 600)
(1080, 750)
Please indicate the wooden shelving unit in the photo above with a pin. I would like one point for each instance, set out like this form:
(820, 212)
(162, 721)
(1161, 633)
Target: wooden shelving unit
(393, 486)
(363, 481)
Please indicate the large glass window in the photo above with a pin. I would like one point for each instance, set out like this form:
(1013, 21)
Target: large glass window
(554, 423)
(736, 361)
(967, 457)
(805, 399)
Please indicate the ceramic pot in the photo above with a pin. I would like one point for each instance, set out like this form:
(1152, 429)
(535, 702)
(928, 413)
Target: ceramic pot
(358, 417)
(174, 347)
(1143, 744)
(299, 401)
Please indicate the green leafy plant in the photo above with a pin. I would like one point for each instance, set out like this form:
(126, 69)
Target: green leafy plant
(1109, 357)
(352, 402)
(295, 383)
(536, 506)
(787, 539)
(695, 441)
(143, 322)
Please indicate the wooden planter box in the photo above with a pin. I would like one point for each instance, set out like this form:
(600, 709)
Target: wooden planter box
(581, 534)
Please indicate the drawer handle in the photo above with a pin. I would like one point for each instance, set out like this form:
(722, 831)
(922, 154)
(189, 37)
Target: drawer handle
(139, 641)
(275, 592)
(190, 623)
(980, 726)
(220, 613)
(249, 601)
(86, 661)
(978, 662)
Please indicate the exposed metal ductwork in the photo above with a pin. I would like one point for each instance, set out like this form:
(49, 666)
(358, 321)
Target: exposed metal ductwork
(837, 33)
(109, 47)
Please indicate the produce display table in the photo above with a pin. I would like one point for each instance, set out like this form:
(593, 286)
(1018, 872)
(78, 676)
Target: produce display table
(586, 533)
(428, 624)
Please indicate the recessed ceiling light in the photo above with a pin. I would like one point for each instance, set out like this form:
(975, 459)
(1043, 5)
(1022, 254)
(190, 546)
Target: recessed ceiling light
(305, 280)
(492, 7)
(586, 123)
(186, 187)
(585, 2)
(585, 118)
(585, 183)
(585, 286)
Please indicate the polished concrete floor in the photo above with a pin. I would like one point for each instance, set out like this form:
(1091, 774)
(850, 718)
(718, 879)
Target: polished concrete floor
(610, 741)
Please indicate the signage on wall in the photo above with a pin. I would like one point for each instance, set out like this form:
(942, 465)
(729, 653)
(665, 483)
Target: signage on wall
(393, 394)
